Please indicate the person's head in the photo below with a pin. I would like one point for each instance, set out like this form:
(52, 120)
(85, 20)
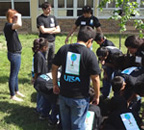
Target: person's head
(133, 43)
(102, 53)
(91, 94)
(11, 15)
(86, 34)
(46, 7)
(87, 11)
(40, 44)
(118, 84)
(139, 88)
(99, 38)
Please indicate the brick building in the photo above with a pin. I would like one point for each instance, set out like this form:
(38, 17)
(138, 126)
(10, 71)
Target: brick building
(66, 12)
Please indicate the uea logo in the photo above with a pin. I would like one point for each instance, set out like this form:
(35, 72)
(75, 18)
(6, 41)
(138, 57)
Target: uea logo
(71, 78)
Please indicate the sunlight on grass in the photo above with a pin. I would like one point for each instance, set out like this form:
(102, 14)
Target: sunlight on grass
(21, 116)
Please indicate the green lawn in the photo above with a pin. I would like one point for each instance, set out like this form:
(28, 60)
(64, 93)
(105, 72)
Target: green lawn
(20, 116)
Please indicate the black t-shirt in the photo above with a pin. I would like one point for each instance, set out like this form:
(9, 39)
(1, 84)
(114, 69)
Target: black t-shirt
(112, 51)
(92, 22)
(13, 42)
(39, 63)
(107, 43)
(78, 63)
(48, 22)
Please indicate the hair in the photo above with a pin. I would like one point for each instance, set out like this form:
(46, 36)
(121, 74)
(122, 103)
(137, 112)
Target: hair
(102, 52)
(85, 33)
(86, 9)
(139, 88)
(45, 5)
(99, 36)
(10, 14)
(133, 41)
(39, 44)
(117, 83)
(91, 93)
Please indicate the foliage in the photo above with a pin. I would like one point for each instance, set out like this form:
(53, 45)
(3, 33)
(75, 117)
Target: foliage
(125, 11)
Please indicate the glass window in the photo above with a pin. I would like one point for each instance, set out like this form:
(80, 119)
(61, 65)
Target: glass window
(69, 3)
(90, 3)
(61, 4)
(80, 3)
(23, 8)
(4, 6)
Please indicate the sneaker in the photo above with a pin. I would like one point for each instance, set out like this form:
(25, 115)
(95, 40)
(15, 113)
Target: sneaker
(42, 117)
(20, 94)
(16, 99)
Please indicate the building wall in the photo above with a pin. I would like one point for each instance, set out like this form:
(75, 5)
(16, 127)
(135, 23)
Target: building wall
(108, 26)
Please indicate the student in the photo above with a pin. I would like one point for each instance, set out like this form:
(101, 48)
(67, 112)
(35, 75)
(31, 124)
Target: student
(135, 46)
(87, 19)
(102, 41)
(93, 108)
(106, 55)
(40, 46)
(48, 28)
(79, 64)
(14, 48)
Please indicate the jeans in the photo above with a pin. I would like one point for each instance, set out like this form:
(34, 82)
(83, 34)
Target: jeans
(73, 112)
(15, 62)
(107, 81)
(50, 55)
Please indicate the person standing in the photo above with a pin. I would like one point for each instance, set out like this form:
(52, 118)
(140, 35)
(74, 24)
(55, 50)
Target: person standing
(87, 19)
(14, 48)
(79, 64)
(48, 28)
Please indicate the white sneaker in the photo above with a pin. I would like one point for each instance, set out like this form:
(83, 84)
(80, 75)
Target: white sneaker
(20, 94)
(16, 99)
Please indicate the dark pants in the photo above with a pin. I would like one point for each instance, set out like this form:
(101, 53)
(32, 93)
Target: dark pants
(50, 55)
(15, 62)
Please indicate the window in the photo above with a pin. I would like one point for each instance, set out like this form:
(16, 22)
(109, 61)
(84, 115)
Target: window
(22, 6)
(67, 8)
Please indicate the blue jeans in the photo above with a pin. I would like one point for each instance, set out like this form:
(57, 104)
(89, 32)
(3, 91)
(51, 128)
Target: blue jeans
(15, 62)
(73, 112)
(107, 81)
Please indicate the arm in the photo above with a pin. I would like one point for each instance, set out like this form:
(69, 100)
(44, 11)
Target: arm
(46, 30)
(70, 33)
(18, 22)
(96, 86)
(56, 30)
(56, 89)
(99, 30)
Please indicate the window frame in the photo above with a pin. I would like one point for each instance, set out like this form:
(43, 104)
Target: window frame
(12, 6)
(74, 8)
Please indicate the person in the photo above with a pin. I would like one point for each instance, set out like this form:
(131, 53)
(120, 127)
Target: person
(79, 64)
(14, 48)
(106, 56)
(102, 41)
(96, 110)
(48, 28)
(87, 19)
(40, 46)
(135, 46)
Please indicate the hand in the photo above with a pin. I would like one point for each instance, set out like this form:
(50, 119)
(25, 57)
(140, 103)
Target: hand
(66, 41)
(56, 89)
(32, 81)
(95, 101)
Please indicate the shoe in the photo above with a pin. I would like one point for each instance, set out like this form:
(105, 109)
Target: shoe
(41, 117)
(20, 94)
(16, 99)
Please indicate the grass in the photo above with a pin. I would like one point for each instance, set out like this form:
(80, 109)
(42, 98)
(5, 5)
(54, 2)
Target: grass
(20, 116)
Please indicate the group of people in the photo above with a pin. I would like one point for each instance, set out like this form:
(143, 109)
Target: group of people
(77, 91)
